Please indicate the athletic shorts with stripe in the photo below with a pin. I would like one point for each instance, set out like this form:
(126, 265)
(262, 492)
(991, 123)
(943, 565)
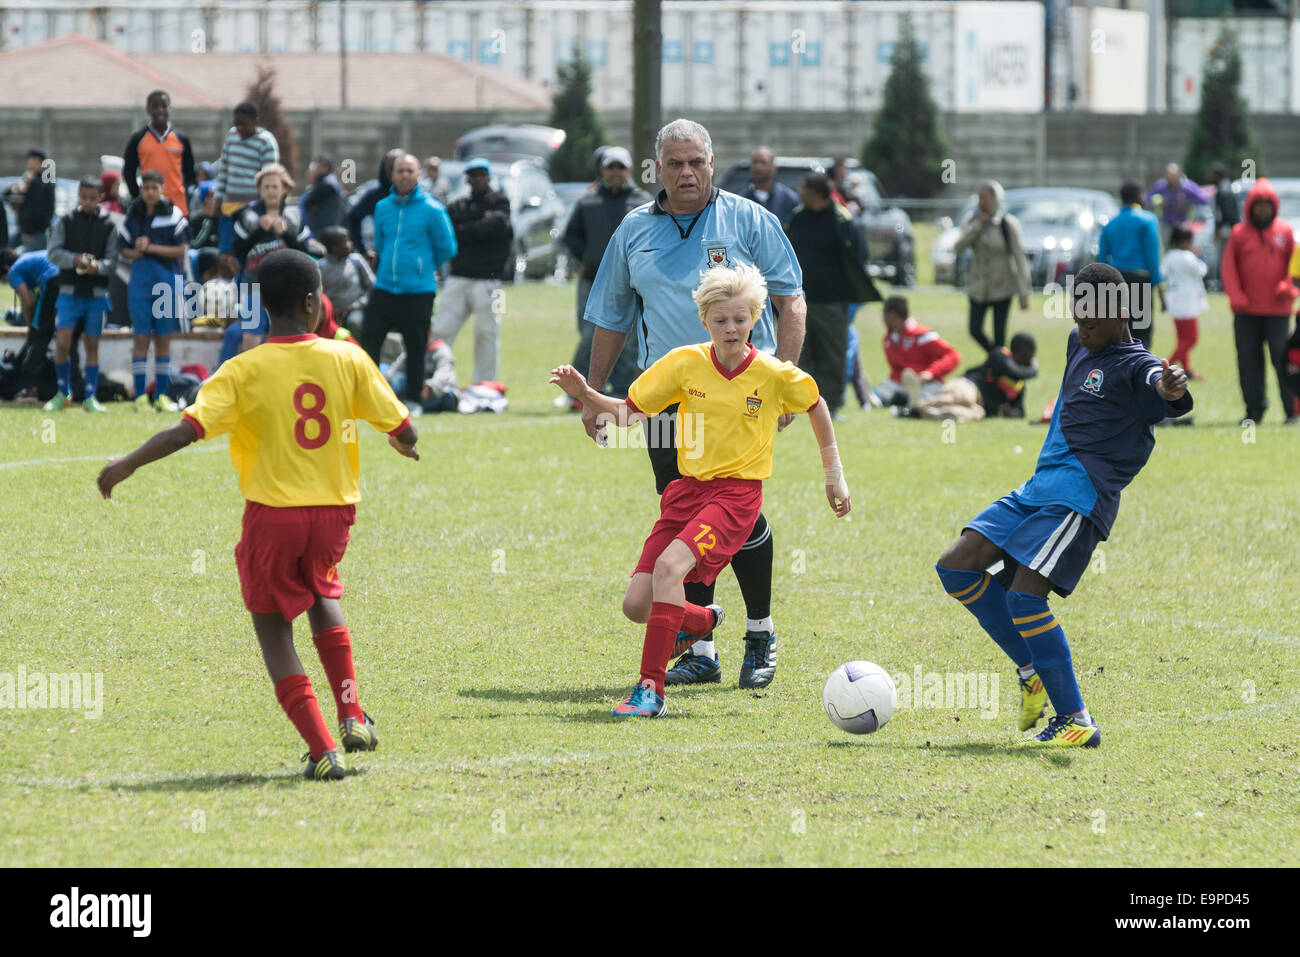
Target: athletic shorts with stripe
(1053, 540)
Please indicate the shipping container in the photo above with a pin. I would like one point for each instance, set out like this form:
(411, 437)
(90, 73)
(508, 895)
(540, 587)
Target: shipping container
(1266, 64)
(1110, 60)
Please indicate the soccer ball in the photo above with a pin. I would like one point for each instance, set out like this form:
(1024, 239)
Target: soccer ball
(859, 697)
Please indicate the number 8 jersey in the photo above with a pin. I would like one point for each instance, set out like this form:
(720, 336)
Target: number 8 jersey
(292, 407)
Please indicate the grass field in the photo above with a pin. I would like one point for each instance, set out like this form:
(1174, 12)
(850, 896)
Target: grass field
(483, 595)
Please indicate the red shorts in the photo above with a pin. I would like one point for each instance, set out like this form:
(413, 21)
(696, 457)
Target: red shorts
(287, 556)
(713, 518)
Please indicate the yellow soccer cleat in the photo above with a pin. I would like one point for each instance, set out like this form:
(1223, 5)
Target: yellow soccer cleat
(1033, 702)
(1064, 731)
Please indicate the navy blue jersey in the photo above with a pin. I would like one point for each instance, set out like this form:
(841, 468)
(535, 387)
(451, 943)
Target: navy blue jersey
(1102, 430)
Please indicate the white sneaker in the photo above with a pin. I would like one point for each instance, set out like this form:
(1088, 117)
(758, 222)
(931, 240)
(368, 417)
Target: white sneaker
(414, 408)
(912, 386)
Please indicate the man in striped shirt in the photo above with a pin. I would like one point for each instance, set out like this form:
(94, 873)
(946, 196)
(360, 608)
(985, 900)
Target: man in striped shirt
(247, 149)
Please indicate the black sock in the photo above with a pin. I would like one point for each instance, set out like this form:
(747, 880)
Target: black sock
(753, 568)
(698, 593)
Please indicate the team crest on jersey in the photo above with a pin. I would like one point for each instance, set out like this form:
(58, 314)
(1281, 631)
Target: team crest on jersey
(1093, 382)
(752, 404)
(718, 258)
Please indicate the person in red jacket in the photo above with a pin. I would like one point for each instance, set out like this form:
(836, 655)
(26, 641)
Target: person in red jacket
(918, 358)
(1256, 277)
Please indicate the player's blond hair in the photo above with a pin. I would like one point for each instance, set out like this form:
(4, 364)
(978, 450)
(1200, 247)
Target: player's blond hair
(274, 169)
(743, 281)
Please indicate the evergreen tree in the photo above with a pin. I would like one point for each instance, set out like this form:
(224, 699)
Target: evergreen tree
(272, 116)
(572, 112)
(907, 147)
(1222, 130)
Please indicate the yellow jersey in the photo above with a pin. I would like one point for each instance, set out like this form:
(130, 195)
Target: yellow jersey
(726, 420)
(292, 407)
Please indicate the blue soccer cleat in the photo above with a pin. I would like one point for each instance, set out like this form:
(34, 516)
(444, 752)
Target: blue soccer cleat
(642, 703)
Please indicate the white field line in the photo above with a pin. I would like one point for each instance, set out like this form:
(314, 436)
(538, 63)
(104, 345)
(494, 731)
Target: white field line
(93, 458)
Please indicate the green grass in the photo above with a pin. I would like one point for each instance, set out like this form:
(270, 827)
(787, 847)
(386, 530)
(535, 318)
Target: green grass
(483, 593)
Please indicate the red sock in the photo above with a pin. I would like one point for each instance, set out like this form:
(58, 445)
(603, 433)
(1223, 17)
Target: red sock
(660, 634)
(334, 645)
(697, 621)
(299, 703)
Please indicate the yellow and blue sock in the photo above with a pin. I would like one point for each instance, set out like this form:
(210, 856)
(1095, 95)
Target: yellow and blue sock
(63, 373)
(986, 599)
(139, 370)
(1049, 650)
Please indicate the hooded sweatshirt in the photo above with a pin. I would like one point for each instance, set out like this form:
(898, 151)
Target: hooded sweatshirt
(998, 269)
(1255, 266)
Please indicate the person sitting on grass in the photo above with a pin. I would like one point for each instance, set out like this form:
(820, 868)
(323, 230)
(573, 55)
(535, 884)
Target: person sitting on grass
(1044, 532)
(290, 406)
(918, 359)
(734, 394)
(1001, 377)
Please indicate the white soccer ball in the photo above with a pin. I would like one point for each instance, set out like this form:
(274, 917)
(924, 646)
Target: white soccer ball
(859, 697)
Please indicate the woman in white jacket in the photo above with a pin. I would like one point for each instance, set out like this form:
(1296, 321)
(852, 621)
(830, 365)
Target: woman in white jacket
(998, 268)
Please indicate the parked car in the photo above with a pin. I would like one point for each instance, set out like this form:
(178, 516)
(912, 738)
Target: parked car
(887, 228)
(506, 144)
(1060, 227)
(536, 212)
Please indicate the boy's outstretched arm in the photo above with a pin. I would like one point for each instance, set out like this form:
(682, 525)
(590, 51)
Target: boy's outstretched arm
(404, 441)
(574, 385)
(160, 445)
(837, 490)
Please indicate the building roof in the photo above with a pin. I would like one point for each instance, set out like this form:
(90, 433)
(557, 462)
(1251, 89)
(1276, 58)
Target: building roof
(73, 71)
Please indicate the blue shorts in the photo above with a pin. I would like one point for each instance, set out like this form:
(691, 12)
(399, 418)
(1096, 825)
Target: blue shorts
(152, 314)
(71, 309)
(1053, 540)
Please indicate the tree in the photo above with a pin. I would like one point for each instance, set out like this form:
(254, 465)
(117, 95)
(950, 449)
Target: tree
(1222, 130)
(571, 111)
(907, 147)
(272, 116)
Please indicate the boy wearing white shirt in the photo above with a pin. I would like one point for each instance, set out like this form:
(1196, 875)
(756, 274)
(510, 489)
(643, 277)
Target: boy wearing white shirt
(1184, 274)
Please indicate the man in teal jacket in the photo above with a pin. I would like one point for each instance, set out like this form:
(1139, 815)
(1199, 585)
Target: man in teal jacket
(413, 237)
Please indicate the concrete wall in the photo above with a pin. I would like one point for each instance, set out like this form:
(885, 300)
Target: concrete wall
(1076, 149)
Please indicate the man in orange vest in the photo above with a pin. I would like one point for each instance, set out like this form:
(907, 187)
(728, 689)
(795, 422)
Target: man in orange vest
(162, 147)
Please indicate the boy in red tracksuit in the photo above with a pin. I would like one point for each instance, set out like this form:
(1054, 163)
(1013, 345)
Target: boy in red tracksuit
(1256, 277)
(918, 358)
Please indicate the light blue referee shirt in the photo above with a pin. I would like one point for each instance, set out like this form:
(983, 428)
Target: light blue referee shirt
(654, 262)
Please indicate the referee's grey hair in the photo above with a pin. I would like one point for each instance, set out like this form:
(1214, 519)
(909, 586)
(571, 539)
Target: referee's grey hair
(682, 131)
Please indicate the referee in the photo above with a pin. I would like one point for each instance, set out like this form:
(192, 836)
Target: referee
(650, 268)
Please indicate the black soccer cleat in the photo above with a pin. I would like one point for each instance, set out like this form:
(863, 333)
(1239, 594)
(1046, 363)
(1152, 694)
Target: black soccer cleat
(759, 667)
(358, 735)
(694, 669)
(330, 767)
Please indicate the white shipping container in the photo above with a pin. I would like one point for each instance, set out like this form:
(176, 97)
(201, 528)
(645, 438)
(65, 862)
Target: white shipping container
(1295, 69)
(874, 35)
(999, 57)
(1110, 60)
(1266, 66)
